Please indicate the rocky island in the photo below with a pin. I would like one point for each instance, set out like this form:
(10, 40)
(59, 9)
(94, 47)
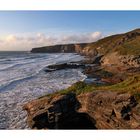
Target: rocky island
(114, 103)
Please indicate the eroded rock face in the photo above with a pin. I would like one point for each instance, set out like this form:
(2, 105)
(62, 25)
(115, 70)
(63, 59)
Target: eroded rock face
(127, 61)
(133, 61)
(64, 48)
(57, 113)
(81, 49)
(113, 110)
(100, 110)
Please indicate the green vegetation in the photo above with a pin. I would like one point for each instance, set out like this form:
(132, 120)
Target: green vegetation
(78, 88)
(104, 74)
(137, 96)
(106, 44)
(131, 85)
(125, 44)
(130, 47)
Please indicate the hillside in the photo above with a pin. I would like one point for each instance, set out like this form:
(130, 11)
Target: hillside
(120, 49)
(112, 105)
(63, 48)
(127, 43)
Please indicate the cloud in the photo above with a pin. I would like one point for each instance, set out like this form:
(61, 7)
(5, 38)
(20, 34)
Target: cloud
(80, 38)
(20, 42)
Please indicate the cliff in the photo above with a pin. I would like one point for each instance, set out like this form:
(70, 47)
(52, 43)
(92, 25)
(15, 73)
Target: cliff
(114, 105)
(124, 48)
(93, 110)
(85, 106)
(65, 48)
(126, 43)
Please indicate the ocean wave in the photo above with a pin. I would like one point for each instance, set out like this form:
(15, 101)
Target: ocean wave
(26, 80)
(26, 69)
(11, 84)
(12, 66)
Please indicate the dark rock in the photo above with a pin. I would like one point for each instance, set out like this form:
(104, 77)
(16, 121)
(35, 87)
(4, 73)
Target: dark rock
(97, 110)
(55, 67)
(63, 117)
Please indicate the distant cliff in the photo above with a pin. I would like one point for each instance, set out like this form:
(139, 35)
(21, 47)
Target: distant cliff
(64, 48)
(117, 49)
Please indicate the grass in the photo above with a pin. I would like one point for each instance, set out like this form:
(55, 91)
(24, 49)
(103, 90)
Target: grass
(131, 85)
(78, 88)
(131, 47)
(104, 74)
(106, 44)
(111, 44)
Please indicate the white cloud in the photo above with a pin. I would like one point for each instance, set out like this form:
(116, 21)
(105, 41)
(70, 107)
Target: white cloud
(16, 42)
(96, 35)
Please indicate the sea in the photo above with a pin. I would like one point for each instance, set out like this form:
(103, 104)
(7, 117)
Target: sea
(22, 79)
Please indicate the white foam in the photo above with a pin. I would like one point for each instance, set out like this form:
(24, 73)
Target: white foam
(41, 83)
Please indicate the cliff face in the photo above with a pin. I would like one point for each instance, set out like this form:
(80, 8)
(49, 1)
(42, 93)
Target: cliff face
(95, 110)
(66, 48)
(55, 49)
(126, 46)
(84, 106)
(121, 60)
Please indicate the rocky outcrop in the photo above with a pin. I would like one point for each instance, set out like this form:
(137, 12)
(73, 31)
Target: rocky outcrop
(59, 112)
(121, 60)
(130, 60)
(97, 110)
(64, 48)
(71, 65)
(102, 108)
(81, 49)
(117, 49)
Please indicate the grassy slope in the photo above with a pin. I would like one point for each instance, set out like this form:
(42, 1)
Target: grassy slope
(131, 85)
(131, 47)
(110, 44)
(107, 45)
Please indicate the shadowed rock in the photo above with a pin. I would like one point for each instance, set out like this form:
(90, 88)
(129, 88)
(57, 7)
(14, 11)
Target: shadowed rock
(55, 67)
(98, 110)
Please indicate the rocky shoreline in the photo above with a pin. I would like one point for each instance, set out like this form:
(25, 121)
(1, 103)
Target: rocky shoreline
(109, 99)
(95, 109)
(89, 68)
(100, 110)
(59, 111)
(13, 97)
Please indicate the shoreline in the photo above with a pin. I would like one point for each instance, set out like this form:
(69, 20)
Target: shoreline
(107, 105)
(11, 113)
(109, 99)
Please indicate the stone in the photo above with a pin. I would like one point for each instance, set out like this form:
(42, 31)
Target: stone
(106, 110)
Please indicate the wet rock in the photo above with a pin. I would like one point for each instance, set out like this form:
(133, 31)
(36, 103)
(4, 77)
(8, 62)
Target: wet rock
(55, 67)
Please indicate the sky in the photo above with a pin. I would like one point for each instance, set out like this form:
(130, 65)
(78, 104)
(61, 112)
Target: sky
(24, 30)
